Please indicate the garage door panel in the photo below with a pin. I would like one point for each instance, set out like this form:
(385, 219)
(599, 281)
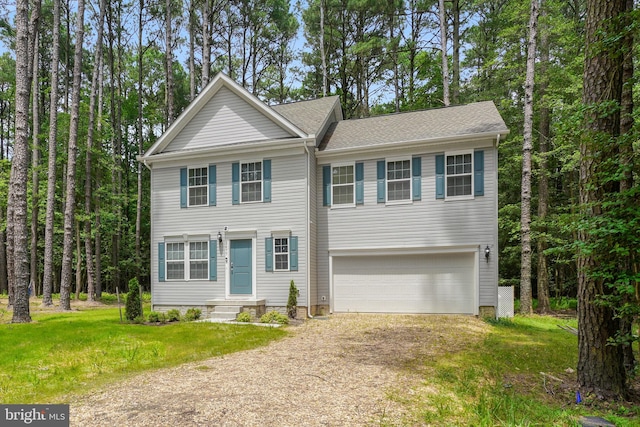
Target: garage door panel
(405, 283)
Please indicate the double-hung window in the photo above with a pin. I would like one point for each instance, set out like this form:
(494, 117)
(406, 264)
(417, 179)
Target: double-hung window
(281, 253)
(251, 181)
(398, 180)
(187, 260)
(342, 185)
(198, 186)
(459, 174)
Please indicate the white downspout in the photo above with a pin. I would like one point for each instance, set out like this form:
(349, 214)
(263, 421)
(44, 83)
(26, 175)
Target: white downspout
(308, 233)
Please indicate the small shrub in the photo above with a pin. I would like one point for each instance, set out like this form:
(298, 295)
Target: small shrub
(155, 317)
(108, 298)
(244, 317)
(133, 305)
(274, 317)
(173, 315)
(192, 314)
(292, 302)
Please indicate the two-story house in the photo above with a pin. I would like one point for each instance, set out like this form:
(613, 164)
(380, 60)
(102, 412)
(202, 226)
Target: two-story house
(395, 213)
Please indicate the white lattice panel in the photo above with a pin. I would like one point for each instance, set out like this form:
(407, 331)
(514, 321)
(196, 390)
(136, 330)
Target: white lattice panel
(505, 301)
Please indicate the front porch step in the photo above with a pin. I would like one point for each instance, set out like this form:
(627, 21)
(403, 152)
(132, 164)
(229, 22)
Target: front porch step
(225, 312)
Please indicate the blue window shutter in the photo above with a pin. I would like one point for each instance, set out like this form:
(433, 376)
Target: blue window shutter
(416, 166)
(266, 180)
(478, 170)
(381, 181)
(212, 185)
(161, 262)
(326, 185)
(440, 176)
(235, 183)
(213, 258)
(359, 183)
(268, 254)
(183, 187)
(293, 253)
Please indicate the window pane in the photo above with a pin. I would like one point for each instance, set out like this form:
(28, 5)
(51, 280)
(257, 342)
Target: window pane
(198, 250)
(198, 270)
(175, 251)
(342, 175)
(399, 180)
(252, 192)
(399, 190)
(342, 194)
(198, 190)
(198, 196)
(459, 185)
(251, 177)
(175, 270)
(282, 261)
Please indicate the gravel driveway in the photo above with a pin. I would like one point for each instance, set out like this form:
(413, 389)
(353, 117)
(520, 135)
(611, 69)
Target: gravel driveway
(338, 371)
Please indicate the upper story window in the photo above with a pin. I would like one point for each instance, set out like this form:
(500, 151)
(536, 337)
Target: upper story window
(459, 174)
(342, 185)
(398, 180)
(198, 186)
(281, 253)
(251, 181)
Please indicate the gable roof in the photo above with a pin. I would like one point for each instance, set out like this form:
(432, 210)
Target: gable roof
(219, 82)
(311, 116)
(427, 125)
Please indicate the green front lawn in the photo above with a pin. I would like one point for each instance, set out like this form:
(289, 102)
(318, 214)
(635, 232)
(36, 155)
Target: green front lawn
(63, 353)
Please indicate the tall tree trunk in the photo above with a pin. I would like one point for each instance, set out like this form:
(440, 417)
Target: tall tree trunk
(544, 127)
(47, 279)
(35, 166)
(323, 54)
(600, 365)
(70, 205)
(443, 47)
(140, 148)
(206, 43)
(4, 287)
(169, 64)
(455, 56)
(192, 49)
(526, 303)
(19, 169)
(88, 165)
(78, 262)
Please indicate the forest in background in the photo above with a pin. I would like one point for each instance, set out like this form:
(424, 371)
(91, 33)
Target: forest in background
(85, 88)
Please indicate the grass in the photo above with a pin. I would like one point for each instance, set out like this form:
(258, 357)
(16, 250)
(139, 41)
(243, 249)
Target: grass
(499, 381)
(64, 353)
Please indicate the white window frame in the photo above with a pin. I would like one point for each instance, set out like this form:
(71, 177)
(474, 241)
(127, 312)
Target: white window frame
(186, 257)
(205, 185)
(447, 176)
(287, 253)
(409, 199)
(261, 181)
(168, 262)
(352, 184)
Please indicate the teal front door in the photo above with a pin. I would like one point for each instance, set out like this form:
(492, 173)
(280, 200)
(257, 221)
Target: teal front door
(241, 264)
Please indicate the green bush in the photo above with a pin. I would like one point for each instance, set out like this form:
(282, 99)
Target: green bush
(133, 305)
(292, 302)
(155, 317)
(192, 314)
(173, 315)
(108, 298)
(244, 317)
(274, 317)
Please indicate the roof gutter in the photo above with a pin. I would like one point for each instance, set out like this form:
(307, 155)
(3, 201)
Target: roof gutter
(422, 143)
(308, 233)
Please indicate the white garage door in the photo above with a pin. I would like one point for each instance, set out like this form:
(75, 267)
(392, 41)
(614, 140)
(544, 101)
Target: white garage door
(405, 284)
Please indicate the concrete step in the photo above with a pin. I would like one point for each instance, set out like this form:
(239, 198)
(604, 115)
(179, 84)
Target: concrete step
(227, 309)
(223, 316)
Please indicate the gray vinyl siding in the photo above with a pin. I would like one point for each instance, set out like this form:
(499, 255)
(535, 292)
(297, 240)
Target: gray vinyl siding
(226, 119)
(286, 211)
(428, 223)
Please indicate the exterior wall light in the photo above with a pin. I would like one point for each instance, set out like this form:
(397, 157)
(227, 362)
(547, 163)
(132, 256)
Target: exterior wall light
(219, 237)
(487, 252)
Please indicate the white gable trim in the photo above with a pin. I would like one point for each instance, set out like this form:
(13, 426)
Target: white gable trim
(219, 81)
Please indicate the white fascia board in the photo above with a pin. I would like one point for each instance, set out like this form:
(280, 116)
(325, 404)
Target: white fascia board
(227, 150)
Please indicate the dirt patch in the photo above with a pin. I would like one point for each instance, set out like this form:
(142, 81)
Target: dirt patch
(333, 372)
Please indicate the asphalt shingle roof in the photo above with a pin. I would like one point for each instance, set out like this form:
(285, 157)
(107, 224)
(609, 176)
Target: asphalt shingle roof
(307, 115)
(439, 123)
